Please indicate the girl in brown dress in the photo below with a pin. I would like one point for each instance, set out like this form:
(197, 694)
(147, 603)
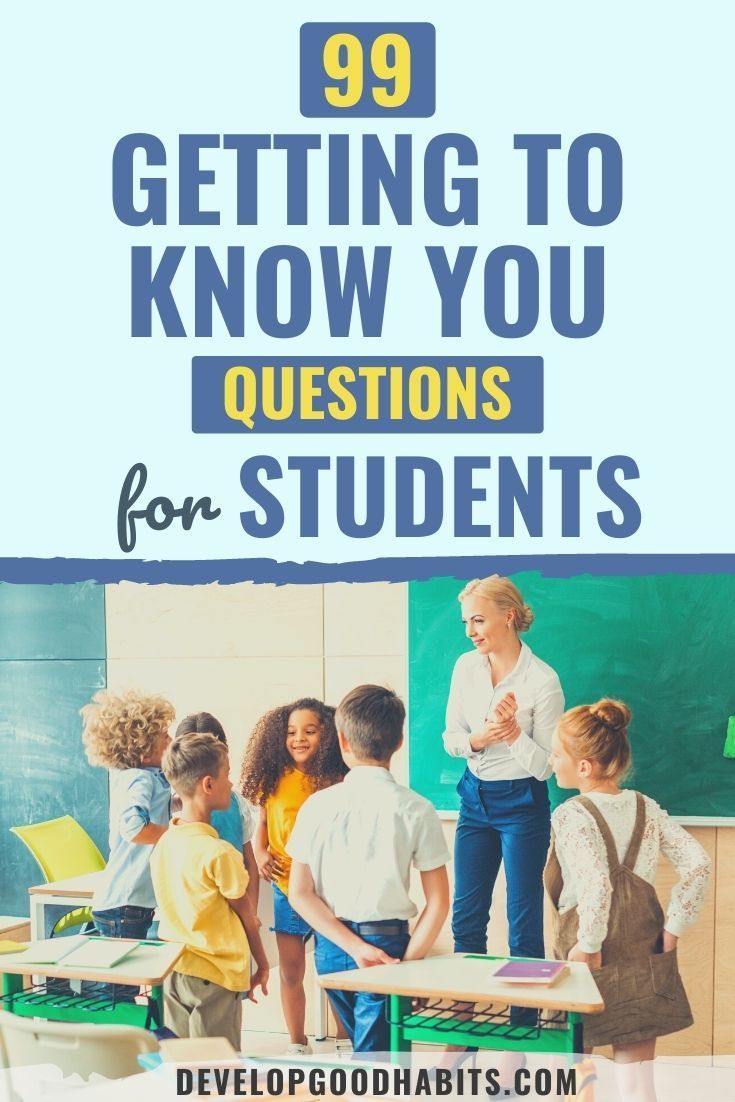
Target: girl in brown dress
(600, 875)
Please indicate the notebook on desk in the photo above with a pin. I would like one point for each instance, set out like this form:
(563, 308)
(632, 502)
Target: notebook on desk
(77, 952)
(51, 950)
(100, 953)
(540, 972)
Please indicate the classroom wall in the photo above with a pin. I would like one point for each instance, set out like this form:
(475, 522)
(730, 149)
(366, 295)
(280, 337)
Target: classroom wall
(238, 650)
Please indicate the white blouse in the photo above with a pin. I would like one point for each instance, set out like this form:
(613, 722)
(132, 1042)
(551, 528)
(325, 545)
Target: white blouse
(583, 860)
(472, 702)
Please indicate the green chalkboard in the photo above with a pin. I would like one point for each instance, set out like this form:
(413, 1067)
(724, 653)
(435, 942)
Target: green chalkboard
(663, 644)
(52, 660)
(45, 622)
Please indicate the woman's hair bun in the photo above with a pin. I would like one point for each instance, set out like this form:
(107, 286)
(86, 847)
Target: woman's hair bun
(612, 713)
(525, 619)
(503, 593)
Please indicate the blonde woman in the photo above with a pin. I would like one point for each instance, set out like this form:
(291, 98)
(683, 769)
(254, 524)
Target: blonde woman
(504, 704)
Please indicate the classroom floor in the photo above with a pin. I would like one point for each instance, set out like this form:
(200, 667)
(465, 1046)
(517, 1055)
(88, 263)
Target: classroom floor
(255, 1043)
(677, 1079)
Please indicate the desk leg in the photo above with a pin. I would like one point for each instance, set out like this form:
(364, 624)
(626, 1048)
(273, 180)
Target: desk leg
(575, 1042)
(36, 909)
(37, 906)
(11, 985)
(398, 1008)
(154, 1017)
(320, 1011)
(46, 910)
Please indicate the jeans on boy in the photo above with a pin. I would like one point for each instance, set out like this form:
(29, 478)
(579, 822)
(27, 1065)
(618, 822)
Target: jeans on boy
(362, 1013)
(506, 821)
(132, 922)
(129, 922)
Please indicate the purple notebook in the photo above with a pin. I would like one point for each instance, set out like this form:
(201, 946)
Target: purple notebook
(530, 971)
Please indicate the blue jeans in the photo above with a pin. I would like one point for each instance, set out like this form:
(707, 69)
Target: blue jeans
(506, 821)
(131, 922)
(362, 1014)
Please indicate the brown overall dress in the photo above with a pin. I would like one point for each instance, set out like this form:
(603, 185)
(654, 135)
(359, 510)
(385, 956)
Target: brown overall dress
(640, 985)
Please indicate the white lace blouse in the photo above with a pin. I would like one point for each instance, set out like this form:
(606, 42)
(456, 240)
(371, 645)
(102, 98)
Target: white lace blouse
(583, 860)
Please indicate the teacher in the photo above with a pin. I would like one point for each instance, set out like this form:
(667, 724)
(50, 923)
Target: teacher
(504, 704)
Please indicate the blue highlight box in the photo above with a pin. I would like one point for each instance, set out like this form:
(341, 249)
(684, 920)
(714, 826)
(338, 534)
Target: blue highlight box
(360, 62)
(408, 386)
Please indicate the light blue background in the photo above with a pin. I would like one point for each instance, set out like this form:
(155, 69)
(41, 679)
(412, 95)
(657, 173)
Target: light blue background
(82, 401)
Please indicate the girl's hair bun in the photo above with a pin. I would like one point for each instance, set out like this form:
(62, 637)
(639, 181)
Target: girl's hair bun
(598, 732)
(612, 713)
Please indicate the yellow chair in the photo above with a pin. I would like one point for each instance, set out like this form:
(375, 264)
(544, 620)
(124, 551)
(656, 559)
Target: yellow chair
(62, 849)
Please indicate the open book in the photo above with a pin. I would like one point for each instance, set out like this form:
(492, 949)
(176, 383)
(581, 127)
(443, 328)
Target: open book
(77, 952)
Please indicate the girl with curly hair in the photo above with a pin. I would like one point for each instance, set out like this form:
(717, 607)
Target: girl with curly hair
(293, 752)
(128, 734)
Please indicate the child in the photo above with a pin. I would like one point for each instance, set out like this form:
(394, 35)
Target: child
(293, 752)
(600, 875)
(128, 734)
(352, 849)
(200, 887)
(237, 823)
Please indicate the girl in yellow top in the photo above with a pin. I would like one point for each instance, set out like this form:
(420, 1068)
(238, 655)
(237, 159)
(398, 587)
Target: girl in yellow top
(293, 752)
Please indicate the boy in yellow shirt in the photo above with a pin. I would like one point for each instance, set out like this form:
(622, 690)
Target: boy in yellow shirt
(200, 883)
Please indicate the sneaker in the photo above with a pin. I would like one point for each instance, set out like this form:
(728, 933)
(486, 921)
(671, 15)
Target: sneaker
(343, 1046)
(299, 1050)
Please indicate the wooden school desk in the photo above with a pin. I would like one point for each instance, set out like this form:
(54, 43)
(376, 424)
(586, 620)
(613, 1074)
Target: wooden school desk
(48, 902)
(146, 966)
(459, 978)
(14, 929)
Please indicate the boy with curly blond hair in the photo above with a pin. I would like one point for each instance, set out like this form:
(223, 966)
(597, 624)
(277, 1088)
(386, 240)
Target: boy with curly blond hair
(128, 734)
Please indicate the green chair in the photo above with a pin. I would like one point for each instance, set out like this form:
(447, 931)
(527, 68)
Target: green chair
(62, 849)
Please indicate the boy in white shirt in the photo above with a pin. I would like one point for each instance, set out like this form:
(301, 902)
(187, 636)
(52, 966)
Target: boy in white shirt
(352, 848)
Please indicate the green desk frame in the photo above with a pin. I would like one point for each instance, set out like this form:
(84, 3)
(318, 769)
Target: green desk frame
(433, 1025)
(557, 1032)
(57, 1003)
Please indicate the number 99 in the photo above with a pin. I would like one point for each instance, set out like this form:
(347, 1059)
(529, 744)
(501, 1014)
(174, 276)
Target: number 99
(390, 60)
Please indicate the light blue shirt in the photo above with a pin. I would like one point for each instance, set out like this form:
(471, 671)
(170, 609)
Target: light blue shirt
(237, 824)
(137, 797)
